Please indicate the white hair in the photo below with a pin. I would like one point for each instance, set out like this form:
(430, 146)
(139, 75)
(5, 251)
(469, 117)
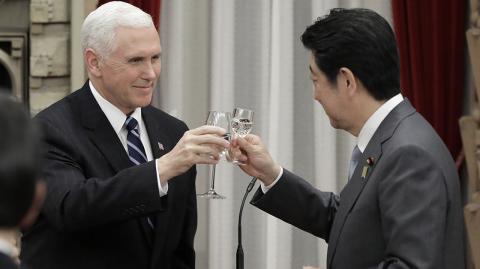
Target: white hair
(99, 28)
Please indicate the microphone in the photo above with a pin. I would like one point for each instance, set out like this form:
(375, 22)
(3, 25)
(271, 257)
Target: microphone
(239, 248)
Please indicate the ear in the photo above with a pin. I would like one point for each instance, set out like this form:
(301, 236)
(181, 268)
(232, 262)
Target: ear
(92, 62)
(347, 80)
(36, 206)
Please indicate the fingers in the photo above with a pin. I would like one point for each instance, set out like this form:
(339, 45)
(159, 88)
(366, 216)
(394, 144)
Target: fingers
(210, 139)
(242, 158)
(207, 129)
(236, 154)
(209, 151)
(207, 135)
(248, 143)
(253, 139)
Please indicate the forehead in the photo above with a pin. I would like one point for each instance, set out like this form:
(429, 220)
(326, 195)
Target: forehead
(137, 40)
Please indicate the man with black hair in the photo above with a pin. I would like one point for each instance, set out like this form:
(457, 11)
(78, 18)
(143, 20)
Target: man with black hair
(401, 207)
(20, 193)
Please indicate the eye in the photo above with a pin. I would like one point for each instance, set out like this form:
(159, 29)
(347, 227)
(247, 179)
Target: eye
(135, 60)
(155, 58)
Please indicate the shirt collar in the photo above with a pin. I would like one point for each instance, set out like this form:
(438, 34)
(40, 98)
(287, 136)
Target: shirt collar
(114, 115)
(7, 242)
(372, 124)
(6, 248)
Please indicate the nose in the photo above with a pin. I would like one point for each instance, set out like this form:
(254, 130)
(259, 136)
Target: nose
(151, 71)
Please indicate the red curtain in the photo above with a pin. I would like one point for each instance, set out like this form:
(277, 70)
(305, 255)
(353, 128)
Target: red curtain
(151, 7)
(430, 36)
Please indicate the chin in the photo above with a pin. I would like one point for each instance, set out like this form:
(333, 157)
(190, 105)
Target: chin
(142, 101)
(145, 97)
(334, 124)
(145, 103)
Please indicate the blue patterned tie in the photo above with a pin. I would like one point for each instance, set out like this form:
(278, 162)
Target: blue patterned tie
(136, 151)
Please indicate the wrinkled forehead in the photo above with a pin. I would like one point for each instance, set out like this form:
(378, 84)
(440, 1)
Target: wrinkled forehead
(132, 39)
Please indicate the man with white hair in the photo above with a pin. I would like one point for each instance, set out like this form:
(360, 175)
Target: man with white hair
(120, 173)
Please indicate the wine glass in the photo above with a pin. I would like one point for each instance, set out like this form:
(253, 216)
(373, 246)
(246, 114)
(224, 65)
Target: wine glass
(220, 119)
(242, 123)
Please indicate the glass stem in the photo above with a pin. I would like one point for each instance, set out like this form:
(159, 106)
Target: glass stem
(212, 177)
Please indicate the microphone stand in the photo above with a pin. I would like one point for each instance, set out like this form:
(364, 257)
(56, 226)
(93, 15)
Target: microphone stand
(239, 248)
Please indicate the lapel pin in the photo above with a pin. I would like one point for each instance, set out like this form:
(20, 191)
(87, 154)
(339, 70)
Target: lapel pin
(370, 162)
(364, 171)
(160, 146)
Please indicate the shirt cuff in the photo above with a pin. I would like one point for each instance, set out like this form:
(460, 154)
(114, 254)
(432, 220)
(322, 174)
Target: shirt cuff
(266, 188)
(162, 188)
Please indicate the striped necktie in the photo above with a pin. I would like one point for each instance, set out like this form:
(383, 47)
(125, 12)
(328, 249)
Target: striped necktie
(136, 151)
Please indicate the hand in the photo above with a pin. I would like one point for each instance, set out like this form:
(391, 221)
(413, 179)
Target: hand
(202, 145)
(256, 158)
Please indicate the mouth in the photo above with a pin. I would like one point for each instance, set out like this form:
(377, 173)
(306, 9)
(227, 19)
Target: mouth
(144, 88)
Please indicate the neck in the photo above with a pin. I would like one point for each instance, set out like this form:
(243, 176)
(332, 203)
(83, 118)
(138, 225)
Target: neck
(9, 233)
(365, 109)
(99, 88)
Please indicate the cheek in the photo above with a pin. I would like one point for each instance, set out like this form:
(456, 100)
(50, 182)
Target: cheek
(158, 69)
(130, 76)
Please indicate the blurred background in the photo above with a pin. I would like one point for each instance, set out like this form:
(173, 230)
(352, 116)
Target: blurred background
(221, 54)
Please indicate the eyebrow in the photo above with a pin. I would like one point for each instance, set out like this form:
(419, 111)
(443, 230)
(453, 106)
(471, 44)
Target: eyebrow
(136, 57)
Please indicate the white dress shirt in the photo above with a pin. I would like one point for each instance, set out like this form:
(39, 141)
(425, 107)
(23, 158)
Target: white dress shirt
(372, 124)
(366, 133)
(117, 119)
(9, 243)
(7, 248)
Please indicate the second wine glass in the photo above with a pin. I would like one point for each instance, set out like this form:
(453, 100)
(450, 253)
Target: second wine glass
(242, 123)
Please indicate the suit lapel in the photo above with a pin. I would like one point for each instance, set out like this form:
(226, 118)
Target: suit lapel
(350, 194)
(159, 142)
(364, 169)
(99, 130)
(103, 136)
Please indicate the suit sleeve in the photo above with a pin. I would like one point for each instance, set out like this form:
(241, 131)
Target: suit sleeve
(74, 202)
(413, 205)
(295, 201)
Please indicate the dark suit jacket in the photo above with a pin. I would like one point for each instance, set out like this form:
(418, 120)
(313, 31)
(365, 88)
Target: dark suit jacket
(96, 203)
(6, 262)
(403, 212)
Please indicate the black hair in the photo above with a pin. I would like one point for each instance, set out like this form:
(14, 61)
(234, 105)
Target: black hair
(360, 40)
(18, 161)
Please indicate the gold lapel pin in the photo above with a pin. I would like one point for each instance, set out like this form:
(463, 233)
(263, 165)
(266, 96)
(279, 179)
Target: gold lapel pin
(370, 162)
